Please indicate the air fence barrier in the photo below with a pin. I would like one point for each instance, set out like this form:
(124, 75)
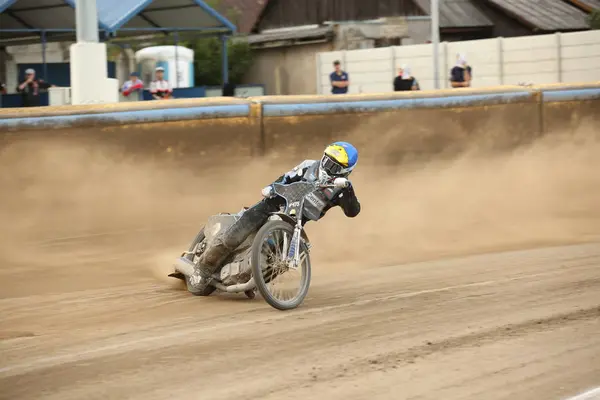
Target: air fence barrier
(296, 126)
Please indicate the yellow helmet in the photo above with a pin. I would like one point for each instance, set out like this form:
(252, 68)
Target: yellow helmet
(339, 159)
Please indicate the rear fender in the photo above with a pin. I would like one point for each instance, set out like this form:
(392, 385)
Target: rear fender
(292, 222)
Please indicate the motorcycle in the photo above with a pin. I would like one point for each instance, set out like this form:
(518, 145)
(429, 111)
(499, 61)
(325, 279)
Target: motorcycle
(280, 247)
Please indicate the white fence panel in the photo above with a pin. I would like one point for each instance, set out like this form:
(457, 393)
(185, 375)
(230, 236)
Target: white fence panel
(371, 70)
(580, 61)
(555, 58)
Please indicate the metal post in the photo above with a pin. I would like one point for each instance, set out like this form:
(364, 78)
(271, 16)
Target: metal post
(319, 86)
(393, 61)
(501, 59)
(44, 64)
(435, 39)
(559, 57)
(86, 21)
(225, 59)
(176, 60)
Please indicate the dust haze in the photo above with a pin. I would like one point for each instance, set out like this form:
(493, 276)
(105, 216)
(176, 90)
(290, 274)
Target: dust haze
(545, 192)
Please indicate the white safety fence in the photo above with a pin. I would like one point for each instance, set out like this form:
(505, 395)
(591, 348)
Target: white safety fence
(555, 58)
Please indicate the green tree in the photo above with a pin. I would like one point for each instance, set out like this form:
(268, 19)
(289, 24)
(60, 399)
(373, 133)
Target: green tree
(594, 19)
(207, 53)
(208, 60)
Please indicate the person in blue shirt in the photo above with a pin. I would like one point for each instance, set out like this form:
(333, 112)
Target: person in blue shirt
(339, 79)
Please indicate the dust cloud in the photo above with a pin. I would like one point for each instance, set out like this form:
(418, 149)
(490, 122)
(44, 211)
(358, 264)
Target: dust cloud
(543, 193)
(57, 190)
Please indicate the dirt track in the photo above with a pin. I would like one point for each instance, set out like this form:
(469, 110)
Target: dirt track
(518, 325)
(87, 313)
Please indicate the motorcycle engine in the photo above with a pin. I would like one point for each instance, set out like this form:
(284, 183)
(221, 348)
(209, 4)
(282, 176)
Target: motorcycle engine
(239, 270)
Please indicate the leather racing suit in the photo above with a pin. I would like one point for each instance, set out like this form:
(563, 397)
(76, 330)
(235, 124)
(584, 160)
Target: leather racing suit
(254, 217)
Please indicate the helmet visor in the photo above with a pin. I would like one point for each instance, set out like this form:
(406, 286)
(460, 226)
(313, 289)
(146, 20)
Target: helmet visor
(331, 166)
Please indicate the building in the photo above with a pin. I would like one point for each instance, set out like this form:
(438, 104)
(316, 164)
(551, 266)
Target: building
(287, 35)
(38, 33)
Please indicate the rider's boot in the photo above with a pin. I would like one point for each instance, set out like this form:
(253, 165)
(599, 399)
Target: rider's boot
(250, 221)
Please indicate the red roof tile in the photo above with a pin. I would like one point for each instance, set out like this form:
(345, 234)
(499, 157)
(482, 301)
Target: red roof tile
(243, 13)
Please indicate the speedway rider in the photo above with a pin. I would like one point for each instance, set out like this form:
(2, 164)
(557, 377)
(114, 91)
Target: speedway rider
(338, 161)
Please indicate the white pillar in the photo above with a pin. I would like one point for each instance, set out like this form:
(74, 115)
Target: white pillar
(86, 21)
(89, 82)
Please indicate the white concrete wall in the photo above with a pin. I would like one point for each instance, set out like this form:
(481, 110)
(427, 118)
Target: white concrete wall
(580, 59)
(555, 58)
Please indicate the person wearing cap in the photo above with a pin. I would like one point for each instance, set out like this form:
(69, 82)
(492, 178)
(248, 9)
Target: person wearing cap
(405, 81)
(160, 88)
(30, 88)
(134, 84)
(339, 79)
(462, 73)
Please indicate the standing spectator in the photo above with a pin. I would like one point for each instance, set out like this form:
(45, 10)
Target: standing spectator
(134, 84)
(30, 89)
(2, 88)
(462, 73)
(339, 79)
(404, 80)
(159, 88)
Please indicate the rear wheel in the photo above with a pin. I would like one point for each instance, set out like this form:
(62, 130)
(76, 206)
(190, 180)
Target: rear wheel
(205, 290)
(282, 287)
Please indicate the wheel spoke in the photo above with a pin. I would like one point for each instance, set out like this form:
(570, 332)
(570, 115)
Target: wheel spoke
(282, 283)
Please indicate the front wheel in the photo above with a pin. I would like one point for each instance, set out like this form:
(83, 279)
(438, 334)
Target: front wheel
(274, 279)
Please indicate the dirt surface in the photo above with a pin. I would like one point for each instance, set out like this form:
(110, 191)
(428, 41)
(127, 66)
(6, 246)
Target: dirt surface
(471, 278)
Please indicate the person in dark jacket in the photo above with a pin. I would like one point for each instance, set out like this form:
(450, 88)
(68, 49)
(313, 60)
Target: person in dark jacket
(462, 73)
(336, 164)
(30, 89)
(404, 80)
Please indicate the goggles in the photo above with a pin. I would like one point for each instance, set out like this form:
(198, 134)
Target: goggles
(331, 166)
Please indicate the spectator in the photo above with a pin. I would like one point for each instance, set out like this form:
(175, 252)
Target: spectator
(2, 88)
(134, 84)
(404, 80)
(159, 88)
(339, 79)
(30, 89)
(462, 73)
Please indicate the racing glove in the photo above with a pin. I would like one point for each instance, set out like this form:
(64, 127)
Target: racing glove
(267, 192)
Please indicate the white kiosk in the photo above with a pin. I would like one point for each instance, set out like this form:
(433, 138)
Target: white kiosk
(178, 62)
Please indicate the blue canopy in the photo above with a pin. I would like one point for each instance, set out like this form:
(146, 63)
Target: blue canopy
(4, 4)
(23, 21)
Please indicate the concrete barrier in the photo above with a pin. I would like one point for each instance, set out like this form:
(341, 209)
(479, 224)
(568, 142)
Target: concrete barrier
(388, 127)
(397, 126)
(570, 107)
(195, 132)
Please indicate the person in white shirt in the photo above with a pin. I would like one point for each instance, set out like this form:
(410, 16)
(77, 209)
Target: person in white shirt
(159, 88)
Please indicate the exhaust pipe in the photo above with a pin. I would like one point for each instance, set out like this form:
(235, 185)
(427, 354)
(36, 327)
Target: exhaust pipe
(185, 266)
(243, 287)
